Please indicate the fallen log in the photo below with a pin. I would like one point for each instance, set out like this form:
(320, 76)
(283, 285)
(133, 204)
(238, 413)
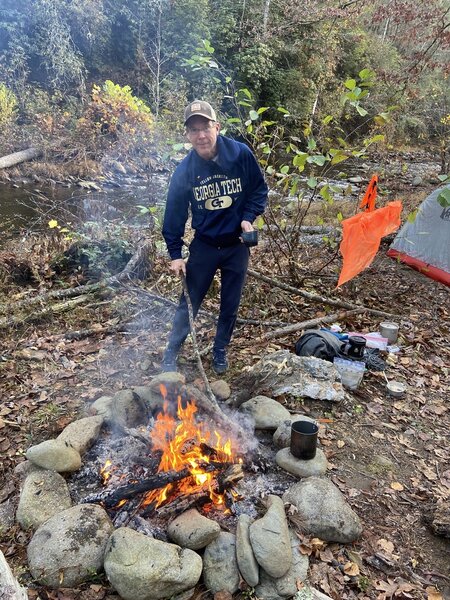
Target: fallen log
(111, 498)
(6, 323)
(316, 297)
(10, 160)
(10, 588)
(310, 323)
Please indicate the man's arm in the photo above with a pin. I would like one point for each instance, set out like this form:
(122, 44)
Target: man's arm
(174, 223)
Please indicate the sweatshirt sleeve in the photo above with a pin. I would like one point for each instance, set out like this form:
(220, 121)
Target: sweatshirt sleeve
(257, 188)
(175, 215)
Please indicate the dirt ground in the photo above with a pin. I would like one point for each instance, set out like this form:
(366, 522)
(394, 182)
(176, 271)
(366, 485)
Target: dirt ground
(389, 456)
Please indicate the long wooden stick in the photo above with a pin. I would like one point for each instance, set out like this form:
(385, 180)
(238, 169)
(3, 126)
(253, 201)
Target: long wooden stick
(316, 297)
(209, 391)
(310, 323)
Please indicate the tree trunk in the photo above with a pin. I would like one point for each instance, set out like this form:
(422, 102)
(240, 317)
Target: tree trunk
(19, 157)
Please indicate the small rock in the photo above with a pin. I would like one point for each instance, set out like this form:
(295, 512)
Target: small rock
(302, 468)
(309, 593)
(268, 413)
(417, 181)
(145, 365)
(282, 436)
(247, 563)
(142, 568)
(81, 434)
(128, 410)
(220, 568)
(118, 167)
(356, 179)
(44, 494)
(89, 185)
(221, 389)
(323, 510)
(193, 530)
(152, 398)
(7, 510)
(269, 537)
(55, 455)
(441, 518)
(102, 407)
(68, 549)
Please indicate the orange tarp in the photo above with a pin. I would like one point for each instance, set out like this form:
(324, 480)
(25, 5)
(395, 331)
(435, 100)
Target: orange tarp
(362, 233)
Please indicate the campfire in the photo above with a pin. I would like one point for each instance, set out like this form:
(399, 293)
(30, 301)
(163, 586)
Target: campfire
(195, 465)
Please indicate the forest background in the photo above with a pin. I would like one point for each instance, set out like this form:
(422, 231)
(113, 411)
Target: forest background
(57, 55)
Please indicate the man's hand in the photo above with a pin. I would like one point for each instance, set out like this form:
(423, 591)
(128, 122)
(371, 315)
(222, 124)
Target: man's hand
(178, 266)
(246, 226)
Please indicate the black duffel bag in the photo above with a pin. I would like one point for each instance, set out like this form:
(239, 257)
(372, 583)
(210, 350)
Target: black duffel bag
(320, 344)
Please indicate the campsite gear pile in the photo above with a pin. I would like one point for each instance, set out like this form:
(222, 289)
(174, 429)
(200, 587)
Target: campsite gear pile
(329, 345)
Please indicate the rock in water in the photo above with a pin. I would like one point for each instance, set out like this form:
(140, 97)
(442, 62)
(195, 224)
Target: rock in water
(269, 537)
(220, 569)
(69, 548)
(323, 510)
(142, 568)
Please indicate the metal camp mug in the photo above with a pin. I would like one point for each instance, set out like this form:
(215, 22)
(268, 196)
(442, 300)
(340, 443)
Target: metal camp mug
(304, 439)
(250, 238)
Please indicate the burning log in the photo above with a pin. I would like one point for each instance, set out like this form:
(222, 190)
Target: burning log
(111, 498)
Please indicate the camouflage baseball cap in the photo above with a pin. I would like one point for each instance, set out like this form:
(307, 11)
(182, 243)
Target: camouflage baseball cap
(199, 108)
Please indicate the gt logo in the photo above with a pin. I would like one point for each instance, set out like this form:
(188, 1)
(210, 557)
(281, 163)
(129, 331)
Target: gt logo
(218, 203)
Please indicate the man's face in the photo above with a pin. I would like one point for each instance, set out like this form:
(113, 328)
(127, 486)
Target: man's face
(202, 134)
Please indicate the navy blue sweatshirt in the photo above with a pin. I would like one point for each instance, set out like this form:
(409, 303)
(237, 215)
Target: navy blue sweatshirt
(221, 193)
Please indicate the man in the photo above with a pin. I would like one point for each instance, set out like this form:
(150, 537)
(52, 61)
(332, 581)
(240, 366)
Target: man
(222, 184)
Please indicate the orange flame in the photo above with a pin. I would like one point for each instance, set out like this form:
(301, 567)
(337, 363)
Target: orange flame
(184, 444)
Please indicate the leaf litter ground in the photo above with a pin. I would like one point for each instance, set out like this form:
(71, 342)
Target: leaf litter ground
(389, 456)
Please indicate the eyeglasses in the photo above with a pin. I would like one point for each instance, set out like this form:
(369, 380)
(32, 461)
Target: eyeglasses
(199, 130)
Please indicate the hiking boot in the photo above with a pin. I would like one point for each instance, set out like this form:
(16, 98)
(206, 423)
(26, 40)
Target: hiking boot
(219, 361)
(169, 361)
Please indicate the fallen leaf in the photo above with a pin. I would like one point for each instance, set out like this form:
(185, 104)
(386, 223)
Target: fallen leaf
(377, 434)
(386, 545)
(433, 593)
(351, 568)
(395, 485)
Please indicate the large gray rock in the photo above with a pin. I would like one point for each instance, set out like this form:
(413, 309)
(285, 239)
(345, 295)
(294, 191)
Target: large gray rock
(220, 568)
(69, 548)
(81, 434)
(286, 586)
(267, 413)
(193, 530)
(282, 436)
(143, 568)
(247, 563)
(284, 374)
(44, 494)
(302, 468)
(269, 537)
(323, 510)
(55, 455)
